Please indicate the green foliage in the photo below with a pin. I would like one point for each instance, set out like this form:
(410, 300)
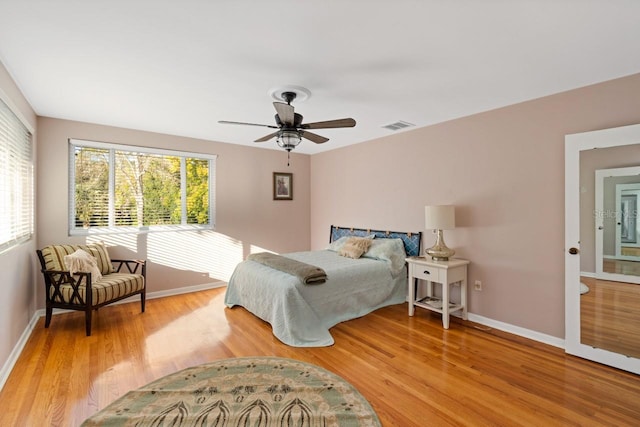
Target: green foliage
(91, 189)
(147, 189)
(161, 191)
(197, 191)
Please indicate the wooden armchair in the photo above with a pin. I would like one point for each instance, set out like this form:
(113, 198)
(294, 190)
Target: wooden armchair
(120, 279)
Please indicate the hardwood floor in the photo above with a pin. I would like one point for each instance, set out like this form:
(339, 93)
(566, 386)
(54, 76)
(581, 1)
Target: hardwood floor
(412, 371)
(621, 267)
(609, 316)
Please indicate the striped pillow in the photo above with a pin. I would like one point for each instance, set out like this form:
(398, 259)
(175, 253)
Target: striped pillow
(54, 256)
(99, 251)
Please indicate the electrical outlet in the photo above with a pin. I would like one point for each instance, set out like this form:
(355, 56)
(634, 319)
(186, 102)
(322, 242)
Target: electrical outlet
(478, 285)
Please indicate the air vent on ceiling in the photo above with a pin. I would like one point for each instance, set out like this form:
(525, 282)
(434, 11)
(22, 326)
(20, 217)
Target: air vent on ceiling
(398, 125)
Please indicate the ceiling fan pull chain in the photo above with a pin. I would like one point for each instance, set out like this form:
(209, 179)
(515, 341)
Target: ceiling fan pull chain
(288, 157)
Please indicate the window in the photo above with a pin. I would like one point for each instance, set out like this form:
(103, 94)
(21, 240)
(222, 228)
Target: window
(117, 188)
(16, 179)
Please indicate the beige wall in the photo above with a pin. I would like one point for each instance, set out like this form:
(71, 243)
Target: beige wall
(247, 217)
(504, 171)
(18, 264)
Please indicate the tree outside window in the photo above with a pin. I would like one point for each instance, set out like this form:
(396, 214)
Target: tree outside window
(114, 188)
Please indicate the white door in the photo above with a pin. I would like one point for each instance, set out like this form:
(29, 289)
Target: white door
(581, 224)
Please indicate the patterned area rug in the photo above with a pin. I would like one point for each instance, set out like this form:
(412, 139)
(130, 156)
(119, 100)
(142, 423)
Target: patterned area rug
(257, 392)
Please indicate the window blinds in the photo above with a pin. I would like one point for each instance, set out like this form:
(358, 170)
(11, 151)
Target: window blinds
(16, 180)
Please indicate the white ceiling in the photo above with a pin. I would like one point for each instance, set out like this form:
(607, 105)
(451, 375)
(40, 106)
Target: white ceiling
(177, 67)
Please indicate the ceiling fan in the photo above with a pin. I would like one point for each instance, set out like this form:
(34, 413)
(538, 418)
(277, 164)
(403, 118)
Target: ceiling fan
(290, 126)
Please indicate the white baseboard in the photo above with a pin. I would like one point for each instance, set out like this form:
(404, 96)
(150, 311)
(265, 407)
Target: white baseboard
(587, 274)
(512, 329)
(517, 330)
(17, 350)
(187, 289)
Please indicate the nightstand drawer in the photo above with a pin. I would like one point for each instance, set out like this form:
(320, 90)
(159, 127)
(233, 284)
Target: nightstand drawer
(426, 273)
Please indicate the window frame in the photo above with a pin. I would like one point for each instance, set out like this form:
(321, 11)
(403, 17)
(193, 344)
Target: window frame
(80, 143)
(28, 182)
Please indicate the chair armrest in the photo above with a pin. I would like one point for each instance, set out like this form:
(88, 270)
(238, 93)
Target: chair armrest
(64, 276)
(132, 265)
(56, 278)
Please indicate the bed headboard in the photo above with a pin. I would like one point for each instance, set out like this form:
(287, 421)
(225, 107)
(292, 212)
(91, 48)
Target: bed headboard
(411, 240)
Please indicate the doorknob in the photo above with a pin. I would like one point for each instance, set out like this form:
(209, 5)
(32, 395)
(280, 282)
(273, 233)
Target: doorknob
(573, 251)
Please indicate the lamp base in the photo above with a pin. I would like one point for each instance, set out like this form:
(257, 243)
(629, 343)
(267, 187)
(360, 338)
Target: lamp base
(440, 251)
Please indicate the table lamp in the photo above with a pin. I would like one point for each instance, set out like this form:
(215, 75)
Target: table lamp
(441, 217)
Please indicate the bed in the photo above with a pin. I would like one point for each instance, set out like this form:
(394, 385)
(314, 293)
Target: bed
(301, 314)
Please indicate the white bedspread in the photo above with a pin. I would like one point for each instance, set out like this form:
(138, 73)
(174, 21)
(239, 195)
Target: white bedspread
(301, 315)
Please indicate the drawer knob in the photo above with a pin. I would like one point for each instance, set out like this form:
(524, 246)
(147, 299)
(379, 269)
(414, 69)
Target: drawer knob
(427, 272)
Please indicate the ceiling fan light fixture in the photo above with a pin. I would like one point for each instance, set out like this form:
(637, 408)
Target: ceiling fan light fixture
(291, 128)
(288, 139)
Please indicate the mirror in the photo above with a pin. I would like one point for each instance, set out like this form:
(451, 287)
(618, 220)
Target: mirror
(602, 280)
(617, 234)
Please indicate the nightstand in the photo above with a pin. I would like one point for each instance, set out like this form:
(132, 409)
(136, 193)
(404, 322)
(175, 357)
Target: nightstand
(446, 273)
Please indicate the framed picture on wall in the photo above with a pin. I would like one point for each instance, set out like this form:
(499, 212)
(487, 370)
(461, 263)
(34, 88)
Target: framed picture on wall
(282, 186)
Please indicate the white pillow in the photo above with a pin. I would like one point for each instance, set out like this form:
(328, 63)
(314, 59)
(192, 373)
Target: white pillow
(81, 261)
(336, 245)
(389, 250)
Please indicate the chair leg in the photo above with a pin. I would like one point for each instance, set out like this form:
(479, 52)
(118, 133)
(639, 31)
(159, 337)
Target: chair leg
(87, 320)
(142, 301)
(47, 319)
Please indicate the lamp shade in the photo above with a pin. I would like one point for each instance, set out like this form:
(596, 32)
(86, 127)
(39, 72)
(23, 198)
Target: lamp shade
(441, 217)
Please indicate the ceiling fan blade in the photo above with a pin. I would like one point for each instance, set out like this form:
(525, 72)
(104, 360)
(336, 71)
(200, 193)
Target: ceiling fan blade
(266, 137)
(226, 122)
(285, 111)
(313, 137)
(339, 123)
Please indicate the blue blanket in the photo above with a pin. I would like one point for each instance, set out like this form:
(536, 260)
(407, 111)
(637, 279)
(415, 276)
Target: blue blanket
(301, 315)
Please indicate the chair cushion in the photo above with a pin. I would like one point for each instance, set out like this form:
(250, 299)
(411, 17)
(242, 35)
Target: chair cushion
(108, 288)
(54, 256)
